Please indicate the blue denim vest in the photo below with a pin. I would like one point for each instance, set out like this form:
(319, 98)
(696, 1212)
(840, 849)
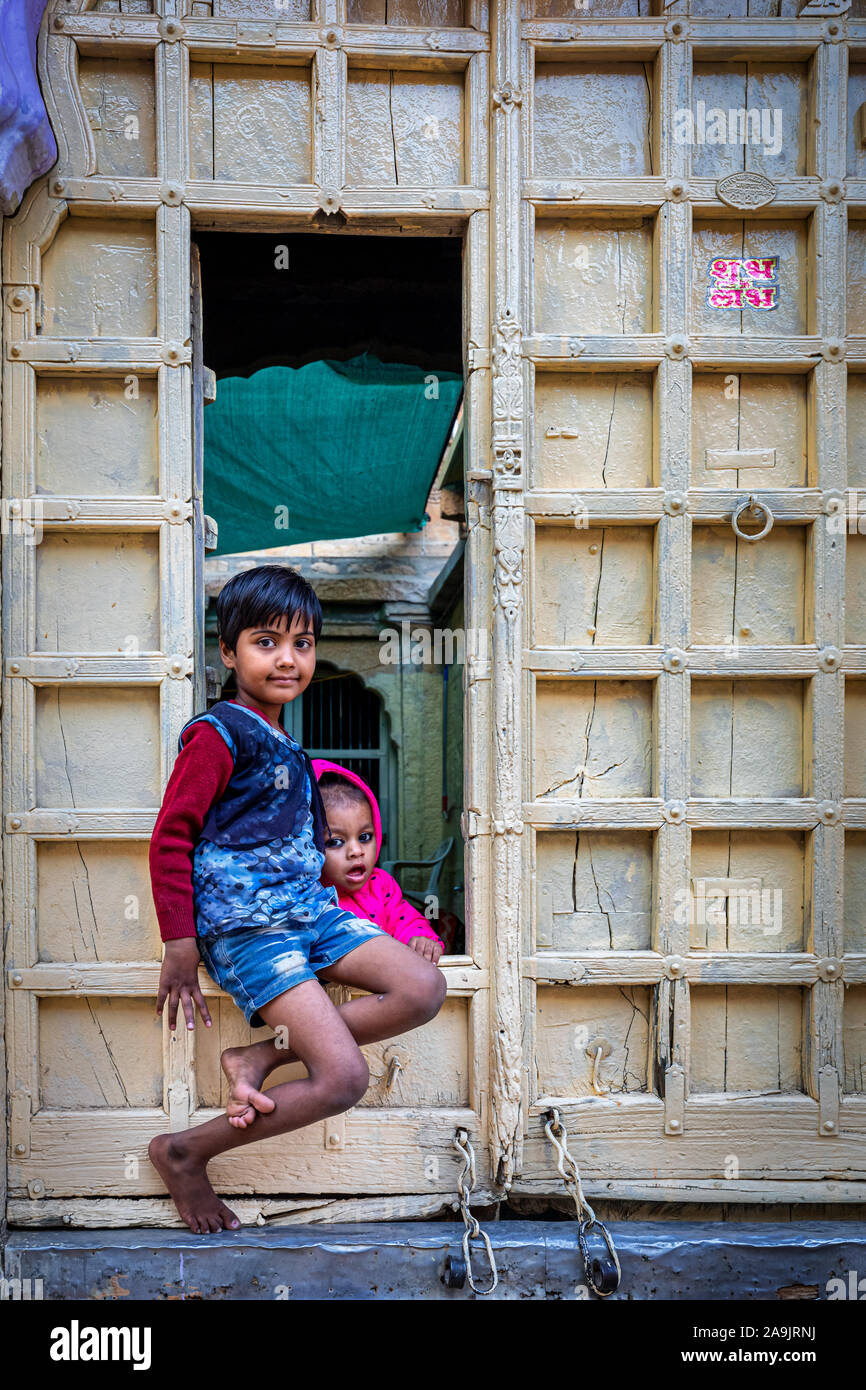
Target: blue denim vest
(266, 798)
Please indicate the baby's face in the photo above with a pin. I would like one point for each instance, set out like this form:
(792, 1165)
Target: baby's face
(350, 853)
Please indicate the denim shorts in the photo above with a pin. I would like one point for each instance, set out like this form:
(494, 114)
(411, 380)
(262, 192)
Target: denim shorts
(255, 964)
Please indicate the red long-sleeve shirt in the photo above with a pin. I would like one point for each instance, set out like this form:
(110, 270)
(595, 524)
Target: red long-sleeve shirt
(200, 775)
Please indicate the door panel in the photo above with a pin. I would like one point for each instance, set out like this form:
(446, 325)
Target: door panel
(687, 688)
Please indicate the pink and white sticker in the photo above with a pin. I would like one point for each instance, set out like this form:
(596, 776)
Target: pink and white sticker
(743, 283)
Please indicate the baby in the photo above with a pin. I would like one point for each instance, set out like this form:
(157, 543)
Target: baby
(351, 851)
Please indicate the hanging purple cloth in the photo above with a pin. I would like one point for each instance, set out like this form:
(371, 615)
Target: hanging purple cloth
(27, 146)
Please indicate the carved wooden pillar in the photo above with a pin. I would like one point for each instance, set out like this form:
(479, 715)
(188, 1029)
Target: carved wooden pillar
(508, 396)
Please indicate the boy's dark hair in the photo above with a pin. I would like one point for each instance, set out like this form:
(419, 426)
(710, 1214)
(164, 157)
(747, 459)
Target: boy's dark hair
(254, 597)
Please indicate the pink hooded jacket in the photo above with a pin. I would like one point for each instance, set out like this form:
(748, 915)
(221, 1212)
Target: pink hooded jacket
(379, 899)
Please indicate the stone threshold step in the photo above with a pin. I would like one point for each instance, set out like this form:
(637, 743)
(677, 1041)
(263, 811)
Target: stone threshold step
(406, 1260)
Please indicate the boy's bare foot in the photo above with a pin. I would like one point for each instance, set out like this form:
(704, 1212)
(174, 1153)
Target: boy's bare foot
(246, 1071)
(191, 1192)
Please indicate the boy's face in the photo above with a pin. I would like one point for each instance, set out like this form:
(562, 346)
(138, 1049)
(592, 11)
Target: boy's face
(273, 664)
(350, 853)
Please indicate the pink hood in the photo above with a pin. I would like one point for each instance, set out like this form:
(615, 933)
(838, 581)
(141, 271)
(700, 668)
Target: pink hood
(379, 899)
(321, 765)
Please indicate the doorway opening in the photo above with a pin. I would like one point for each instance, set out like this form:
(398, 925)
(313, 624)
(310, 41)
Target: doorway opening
(333, 443)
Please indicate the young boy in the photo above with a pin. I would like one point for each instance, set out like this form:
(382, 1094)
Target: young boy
(236, 858)
(351, 851)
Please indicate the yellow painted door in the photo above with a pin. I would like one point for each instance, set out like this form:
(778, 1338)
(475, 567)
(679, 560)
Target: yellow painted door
(247, 118)
(692, 939)
(665, 731)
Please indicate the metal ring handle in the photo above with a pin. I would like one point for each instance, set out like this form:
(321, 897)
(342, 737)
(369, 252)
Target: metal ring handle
(606, 1267)
(467, 1255)
(753, 505)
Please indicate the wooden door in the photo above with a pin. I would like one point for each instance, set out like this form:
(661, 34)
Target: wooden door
(692, 758)
(666, 717)
(260, 117)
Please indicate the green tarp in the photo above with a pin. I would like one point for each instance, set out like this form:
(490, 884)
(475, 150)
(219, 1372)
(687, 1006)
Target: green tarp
(322, 451)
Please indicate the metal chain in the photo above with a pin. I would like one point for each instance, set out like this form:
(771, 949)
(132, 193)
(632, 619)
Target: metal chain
(472, 1229)
(571, 1178)
(570, 1174)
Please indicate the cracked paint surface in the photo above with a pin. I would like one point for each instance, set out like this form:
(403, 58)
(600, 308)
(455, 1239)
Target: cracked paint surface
(593, 430)
(568, 1019)
(593, 739)
(594, 891)
(594, 277)
(593, 587)
(593, 119)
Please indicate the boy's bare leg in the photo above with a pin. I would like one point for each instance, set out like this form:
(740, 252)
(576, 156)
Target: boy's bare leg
(404, 988)
(337, 1080)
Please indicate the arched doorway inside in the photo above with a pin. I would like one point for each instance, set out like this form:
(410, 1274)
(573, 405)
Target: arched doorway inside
(339, 718)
